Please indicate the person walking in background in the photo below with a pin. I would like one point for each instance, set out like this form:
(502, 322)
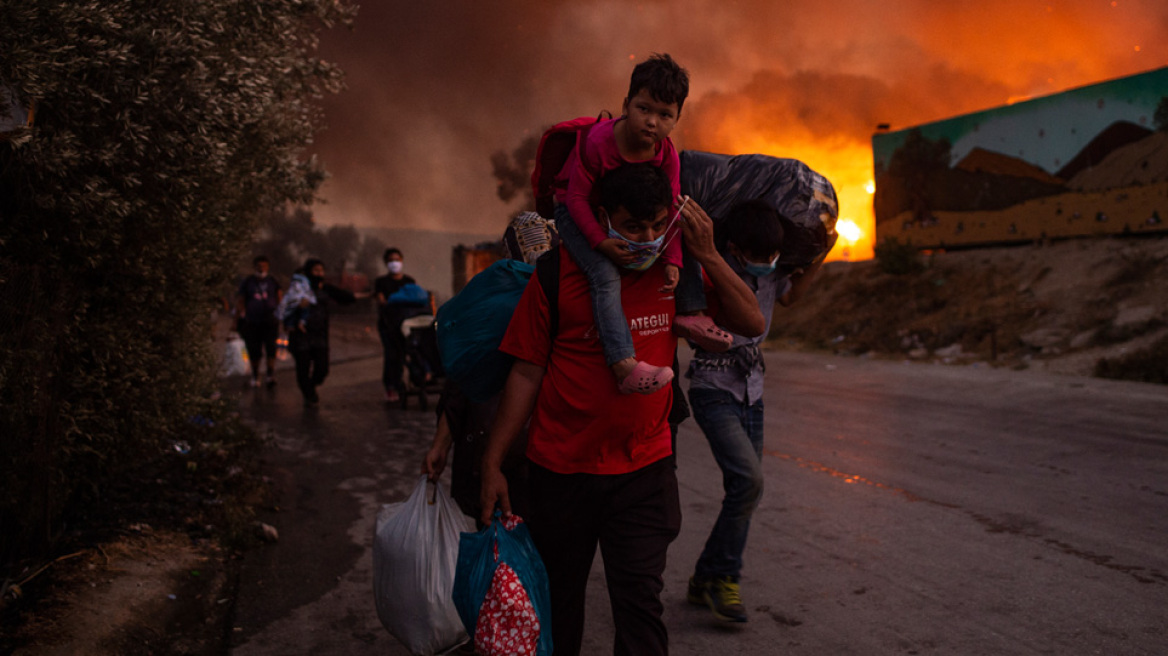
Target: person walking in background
(304, 311)
(259, 296)
(464, 423)
(389, 323)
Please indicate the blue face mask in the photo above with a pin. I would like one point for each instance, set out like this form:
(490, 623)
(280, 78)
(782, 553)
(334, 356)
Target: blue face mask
(647, 252)
(759, 270)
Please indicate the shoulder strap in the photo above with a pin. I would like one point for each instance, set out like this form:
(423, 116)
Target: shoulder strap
(547, 270)
(582, 137)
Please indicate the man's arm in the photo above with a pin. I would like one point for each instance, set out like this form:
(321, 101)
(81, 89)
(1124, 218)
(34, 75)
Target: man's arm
(740, 312)
(518, 401)
(340, 294)
(800, 281)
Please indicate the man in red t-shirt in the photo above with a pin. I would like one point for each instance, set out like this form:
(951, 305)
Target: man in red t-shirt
(600, 469)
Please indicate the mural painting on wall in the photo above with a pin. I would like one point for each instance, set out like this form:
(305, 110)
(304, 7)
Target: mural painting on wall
(1089, 161)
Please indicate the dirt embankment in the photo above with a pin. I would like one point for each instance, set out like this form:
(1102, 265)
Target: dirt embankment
(1063, 307)
(153, 592)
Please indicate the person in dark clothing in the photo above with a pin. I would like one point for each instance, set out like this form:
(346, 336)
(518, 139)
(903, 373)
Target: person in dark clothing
(304, 310)
(464, 424)
(259, 296)
(389, 320)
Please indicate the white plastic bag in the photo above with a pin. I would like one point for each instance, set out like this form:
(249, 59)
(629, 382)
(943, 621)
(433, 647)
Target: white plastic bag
(234, 357)
(415, 549)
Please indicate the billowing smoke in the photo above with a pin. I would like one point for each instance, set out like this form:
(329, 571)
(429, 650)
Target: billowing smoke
(436, 88)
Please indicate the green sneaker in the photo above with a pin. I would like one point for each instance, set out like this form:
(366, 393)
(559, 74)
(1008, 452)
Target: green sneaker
(724, 597)
(696, 592)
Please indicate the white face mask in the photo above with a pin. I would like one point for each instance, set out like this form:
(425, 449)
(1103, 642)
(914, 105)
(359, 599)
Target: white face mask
(394, 266)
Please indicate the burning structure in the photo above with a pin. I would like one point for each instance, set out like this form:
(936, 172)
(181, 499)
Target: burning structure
(466, 261)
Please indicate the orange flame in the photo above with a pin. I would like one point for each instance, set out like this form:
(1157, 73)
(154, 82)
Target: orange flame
(822, 109)
(848, 165)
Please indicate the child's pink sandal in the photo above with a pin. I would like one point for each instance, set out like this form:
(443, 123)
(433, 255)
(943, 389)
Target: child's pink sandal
(646, 379)
(701, 330)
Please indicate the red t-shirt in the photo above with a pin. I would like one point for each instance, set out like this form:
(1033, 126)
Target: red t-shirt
(581, 422)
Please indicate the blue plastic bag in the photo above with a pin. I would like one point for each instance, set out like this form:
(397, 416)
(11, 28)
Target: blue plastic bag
(409, 294)
(481, 556)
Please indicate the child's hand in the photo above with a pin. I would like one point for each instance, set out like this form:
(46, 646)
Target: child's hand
(614, 249)
(672, 275)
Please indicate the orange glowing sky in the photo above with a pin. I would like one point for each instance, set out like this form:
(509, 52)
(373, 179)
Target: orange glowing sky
(435, 88)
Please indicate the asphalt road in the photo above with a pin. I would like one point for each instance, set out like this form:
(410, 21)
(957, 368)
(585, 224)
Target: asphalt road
(910, 509)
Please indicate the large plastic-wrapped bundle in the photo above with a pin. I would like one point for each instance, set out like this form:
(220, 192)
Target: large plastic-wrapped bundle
(803, 197)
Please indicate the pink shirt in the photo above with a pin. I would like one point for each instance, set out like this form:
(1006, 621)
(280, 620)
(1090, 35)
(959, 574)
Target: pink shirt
(601, 155)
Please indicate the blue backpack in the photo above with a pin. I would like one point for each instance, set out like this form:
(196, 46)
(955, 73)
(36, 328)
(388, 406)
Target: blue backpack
(471, 325)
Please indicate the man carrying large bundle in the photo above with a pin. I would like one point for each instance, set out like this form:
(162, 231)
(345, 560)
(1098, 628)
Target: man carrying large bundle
(775, 225)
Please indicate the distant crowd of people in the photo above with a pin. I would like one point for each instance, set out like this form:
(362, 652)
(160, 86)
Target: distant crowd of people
(264, 308)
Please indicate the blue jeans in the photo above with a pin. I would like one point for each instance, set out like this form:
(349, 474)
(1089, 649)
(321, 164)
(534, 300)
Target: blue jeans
(604, 284)
(734, 431)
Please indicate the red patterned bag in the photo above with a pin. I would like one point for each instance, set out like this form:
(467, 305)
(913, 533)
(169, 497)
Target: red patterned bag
(500, 588)
(508, 623)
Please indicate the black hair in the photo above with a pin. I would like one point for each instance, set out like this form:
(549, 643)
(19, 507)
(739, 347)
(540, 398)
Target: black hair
(642, 189)
(755, 227)
(259, 258)
(663, 78)
(391, 251)
(309, 263)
